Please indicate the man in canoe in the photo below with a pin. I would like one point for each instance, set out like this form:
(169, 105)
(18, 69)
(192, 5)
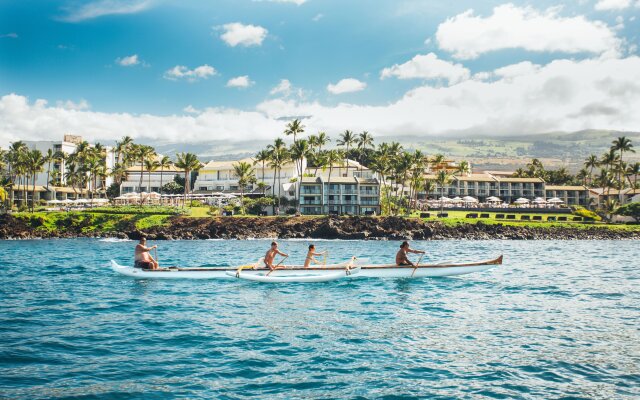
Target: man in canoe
(402, 258)
(142, 257)
(271, 255)
(310, 254)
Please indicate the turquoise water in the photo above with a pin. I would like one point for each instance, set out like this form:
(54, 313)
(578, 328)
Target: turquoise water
(557, 320)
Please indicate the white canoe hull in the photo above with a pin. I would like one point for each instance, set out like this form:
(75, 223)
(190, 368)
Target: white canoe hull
(366, 270)
(284, 276)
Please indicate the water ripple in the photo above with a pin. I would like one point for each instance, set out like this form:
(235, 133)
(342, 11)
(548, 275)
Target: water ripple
(558, 320)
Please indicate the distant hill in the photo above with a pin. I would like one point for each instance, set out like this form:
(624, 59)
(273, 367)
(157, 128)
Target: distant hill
(485, 152)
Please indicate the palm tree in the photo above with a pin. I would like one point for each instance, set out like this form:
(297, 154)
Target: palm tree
(294, 128)
(582, 176)
(633, 170)
(442, 178)
(347, 139)
(520, 173)
(35, 164)
(591, 162)
(428, 186)
(621, 144)
(188, 162)
(246, 174)
(150, 166)
(48, 158)
(463, 168)
(299, 151)
(278, 156)
(123, 147)
(608, 160)
(364, 141)
(333, 157)
(165, 162)
(262, 157)
(437, 159)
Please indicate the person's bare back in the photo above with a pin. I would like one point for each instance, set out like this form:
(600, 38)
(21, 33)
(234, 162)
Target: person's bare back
(271, 255)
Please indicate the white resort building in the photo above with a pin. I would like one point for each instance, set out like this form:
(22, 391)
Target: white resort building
(151, 181)
(349, 188)
(219, 176)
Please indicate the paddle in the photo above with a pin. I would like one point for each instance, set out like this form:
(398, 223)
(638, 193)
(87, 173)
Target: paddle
(155, 253)
(277, 265)
(415, 267)
(324, 263)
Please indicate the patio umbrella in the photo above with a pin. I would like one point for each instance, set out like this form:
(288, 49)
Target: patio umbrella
(54, 201)
(445, 199)
(521, 200)
(493, 199)
(469, 199)
(539, 200)
(555, 200)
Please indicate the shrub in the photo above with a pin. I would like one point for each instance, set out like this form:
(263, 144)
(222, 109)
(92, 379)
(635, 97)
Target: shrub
(147, 210)
(195, 203)
(291, 211)
(630, 210)
(583, 212)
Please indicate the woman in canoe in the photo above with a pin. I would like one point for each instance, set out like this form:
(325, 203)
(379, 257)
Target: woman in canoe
(310, 254)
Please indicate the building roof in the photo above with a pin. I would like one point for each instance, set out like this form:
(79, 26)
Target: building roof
(311, 179)
(171, 168)
(523, 180)
(476, 178)
(564, 187)
(334, 179)
(613, 191)
(500, 173)
(29, 188)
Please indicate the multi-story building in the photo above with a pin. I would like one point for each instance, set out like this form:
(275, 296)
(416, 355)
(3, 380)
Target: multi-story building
(346, 188)
(151, 181)
(571, 195)
(508, 188)
(219, 176)
(598, 196)
(67, 145)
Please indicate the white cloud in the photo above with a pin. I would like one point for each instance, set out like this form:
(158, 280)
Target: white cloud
(71, 105)
(191, 110)
(21, 119)
(519, 69)
(192, 75)
(317, 17)
(427, 66)
(11, 35)
(237, 33)
(240, 82)
(564, 95)
(296, 2)
(101, 8)
(468, 36)
(283, 88)
(603, 5)
(347, 85)
(128, 61)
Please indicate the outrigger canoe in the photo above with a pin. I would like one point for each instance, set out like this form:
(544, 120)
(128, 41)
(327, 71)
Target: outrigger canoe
(357, 267)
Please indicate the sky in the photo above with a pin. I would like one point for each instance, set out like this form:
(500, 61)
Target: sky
(174, 71)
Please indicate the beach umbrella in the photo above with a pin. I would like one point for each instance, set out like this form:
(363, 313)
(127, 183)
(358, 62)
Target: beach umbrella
(54, 201)
(555, 200)
(445, 199)
(469, 199)
(493, 199)
(539, 200)
(521, 200)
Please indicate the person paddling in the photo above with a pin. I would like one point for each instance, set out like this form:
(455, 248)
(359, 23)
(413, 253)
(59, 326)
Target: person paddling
(401, 256)
(142, 257)
(271, 254)
(310, 254)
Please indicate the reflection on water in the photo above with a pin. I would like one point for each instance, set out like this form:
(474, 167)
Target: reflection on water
(558, 319)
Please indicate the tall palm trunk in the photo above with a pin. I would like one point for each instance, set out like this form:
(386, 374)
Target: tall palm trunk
(329, 190)
(161, 175)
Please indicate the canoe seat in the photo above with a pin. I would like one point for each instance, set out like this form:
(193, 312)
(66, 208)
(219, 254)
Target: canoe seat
(499, 216)
(577, 218)
(425, 215)
(525, 218)
(484, 215)
(537, 217)
(551, 218)
(472, 215)
(511, 216)
(562, 218)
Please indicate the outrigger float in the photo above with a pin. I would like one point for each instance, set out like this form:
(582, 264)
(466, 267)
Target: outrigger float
(352, 268)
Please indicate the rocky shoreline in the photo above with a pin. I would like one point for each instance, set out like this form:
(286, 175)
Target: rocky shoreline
(347, 228)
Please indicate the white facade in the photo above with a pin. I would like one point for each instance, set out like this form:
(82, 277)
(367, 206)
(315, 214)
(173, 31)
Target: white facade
(67, 145)
(151, 182)
(219, 176)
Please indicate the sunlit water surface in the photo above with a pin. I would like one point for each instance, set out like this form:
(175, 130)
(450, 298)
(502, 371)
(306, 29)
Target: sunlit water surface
(558, 319)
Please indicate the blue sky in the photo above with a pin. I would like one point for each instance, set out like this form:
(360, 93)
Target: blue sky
(67, 52)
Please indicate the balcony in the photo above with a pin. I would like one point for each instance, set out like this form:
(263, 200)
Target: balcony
(306, 190)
